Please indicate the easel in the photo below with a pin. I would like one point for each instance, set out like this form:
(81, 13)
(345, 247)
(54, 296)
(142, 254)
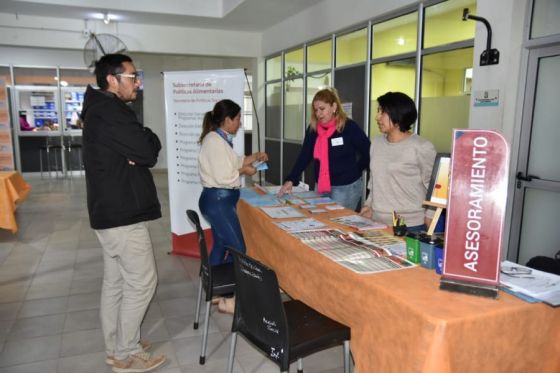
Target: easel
(439, 208)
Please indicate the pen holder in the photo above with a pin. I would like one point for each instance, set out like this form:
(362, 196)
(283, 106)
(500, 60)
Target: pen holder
(439, 258)
(399, 230)
(412, 247)
(427, 251)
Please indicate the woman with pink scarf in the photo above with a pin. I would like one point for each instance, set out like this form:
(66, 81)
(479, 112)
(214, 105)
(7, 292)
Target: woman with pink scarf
(339, 149)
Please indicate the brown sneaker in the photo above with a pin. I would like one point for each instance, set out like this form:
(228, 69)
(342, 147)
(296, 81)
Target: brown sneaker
(138, 363)
(146, 345)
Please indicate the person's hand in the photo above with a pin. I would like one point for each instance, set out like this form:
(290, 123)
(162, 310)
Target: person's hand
(285, 188)
(250, 170)
(366, 212)
(261, 156)
(247, 170)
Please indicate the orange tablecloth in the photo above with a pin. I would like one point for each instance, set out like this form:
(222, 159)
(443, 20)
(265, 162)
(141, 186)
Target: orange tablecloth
(400, 320)
(13, 190)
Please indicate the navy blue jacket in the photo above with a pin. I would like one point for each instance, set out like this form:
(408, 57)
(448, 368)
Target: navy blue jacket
(118, 193)
(346, 161)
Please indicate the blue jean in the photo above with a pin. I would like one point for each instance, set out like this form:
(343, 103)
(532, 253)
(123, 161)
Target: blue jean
(218, 206)
(347, 195)
(417, 228)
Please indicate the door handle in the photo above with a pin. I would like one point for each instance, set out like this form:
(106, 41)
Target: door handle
(520, 177)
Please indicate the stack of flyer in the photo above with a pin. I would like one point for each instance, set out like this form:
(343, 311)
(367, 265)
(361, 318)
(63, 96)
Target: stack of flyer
(530, 284)
(359, 222)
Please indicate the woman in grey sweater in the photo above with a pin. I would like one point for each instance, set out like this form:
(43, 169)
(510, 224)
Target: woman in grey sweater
(400, 165)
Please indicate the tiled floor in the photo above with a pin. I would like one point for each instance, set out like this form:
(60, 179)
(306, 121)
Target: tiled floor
(50, 281)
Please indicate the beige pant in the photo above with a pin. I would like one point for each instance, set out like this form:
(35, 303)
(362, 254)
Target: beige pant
(129, 282)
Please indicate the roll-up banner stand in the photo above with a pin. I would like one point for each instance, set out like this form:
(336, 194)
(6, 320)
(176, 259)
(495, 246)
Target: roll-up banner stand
(475, 212)
(188, 96)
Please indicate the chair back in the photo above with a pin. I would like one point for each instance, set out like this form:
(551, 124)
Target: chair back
(259, 312)
(205, 272)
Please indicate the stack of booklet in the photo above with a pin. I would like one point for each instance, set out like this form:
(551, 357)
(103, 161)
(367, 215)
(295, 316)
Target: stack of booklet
(358, 222)
(530, 284)
(350, 253)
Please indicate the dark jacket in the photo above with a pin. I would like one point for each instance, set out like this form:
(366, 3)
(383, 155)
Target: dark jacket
(346, 161)
(118, 193)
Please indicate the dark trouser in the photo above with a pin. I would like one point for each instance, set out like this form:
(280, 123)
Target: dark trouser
(218, 206)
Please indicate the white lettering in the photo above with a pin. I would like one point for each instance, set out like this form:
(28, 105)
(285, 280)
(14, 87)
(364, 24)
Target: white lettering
(476, 194)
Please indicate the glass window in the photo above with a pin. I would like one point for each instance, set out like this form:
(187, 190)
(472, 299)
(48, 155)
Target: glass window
(76, 78)
(444, 104)
(273, 105)
(394, 76)
(395, 36)
(293, 64)
(444, 23)
(5, 76)
(293, 110)
(351, 48)
(273, 68)
(319, 56)
(35, 76)
(315, 82)
(38, 107)
(544, 21)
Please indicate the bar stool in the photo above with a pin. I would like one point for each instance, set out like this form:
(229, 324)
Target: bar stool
(77, 147)
(50, 144)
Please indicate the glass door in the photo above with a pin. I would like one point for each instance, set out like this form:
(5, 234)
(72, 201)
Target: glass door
(536, 206)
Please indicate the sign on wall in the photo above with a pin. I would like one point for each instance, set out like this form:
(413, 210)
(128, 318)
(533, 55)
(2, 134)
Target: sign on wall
(6, 149)
(476, 208)
(188, 96)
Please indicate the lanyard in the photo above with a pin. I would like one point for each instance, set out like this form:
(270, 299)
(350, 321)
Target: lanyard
(225, 136)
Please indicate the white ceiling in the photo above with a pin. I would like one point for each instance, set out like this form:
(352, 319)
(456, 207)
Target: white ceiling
(238, 15)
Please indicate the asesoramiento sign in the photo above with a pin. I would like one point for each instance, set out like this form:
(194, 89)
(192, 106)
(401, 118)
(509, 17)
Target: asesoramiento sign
(476, 207)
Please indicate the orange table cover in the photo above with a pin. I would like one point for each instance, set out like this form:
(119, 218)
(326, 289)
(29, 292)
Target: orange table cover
(13, 190)
(400, 320)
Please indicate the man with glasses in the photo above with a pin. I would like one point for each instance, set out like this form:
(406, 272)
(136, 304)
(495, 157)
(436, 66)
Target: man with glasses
(121, 198)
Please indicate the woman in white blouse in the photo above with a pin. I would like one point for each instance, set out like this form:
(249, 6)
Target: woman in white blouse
(220, 168)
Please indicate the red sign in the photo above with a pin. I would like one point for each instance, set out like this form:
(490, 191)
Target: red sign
(476, 207)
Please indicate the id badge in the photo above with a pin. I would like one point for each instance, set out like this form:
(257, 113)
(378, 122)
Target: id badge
(337, 141)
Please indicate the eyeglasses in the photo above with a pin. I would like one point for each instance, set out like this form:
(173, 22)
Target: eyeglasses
(133, 76)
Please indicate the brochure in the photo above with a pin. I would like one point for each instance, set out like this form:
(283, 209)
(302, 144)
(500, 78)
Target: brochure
(358, 222)
(350, 253)
(528, 281)
(282, 212)
(319, 200)
(300, 225)
(382, 239)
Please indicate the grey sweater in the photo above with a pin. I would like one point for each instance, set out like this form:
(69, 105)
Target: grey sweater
(399, 176)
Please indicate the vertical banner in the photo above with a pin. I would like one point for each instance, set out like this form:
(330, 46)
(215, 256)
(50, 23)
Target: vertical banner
(188, 96)
(476, 211)
(6, 149)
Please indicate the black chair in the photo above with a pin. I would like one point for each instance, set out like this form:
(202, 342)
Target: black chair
(284, 331)
(214, 280)
(546, 264)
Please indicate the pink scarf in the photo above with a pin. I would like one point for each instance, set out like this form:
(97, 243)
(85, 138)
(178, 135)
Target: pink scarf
(321, 153)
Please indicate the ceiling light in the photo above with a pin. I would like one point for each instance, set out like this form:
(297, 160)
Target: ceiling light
(400, 41)
(106, 19)
(63, 83)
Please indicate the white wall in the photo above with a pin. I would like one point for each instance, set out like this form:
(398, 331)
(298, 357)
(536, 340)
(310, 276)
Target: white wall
(39, 32)
(507, 20)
